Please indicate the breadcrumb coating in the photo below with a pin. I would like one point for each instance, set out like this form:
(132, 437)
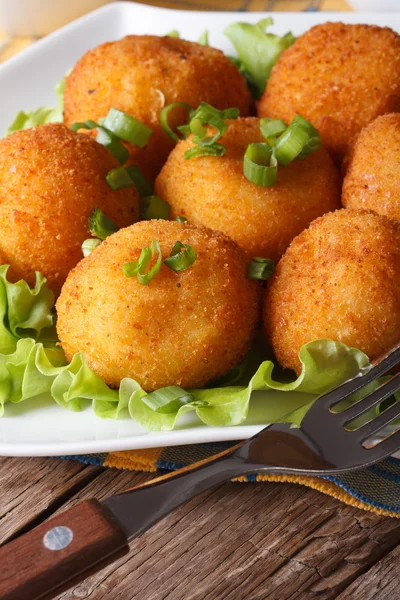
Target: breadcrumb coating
(339, 279)
(183, 328)
(372, 179)
(340, 77)
(51, 179)
(213, 191)
(140, 74)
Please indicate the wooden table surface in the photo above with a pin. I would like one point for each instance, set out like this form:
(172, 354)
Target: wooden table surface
(249, 541)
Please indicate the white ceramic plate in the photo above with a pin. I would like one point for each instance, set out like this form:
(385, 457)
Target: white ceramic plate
(27, 81)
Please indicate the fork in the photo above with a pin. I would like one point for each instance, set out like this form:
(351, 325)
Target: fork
(67, 546)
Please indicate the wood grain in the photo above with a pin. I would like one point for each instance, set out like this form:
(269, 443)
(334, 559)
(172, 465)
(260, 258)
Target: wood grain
(239, 541)
(78, 539)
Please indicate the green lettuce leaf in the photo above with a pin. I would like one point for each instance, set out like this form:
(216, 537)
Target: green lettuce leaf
(257, 49)
(31, 364)
(25, 312)
(42, 115)
(325, 364)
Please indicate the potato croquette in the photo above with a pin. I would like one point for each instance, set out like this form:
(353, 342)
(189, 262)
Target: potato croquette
(372, 179)
(183, 328)
(51, 179)
(339, 279)
(339, 77)
(141, 74)
(213, 191)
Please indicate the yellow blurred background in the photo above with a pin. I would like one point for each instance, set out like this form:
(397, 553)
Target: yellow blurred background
(11, 45)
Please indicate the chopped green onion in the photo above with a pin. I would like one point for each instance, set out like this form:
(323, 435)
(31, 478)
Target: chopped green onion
(143, 186)
(203, 39)
(119, 178)
(260, 268)
(271, 128)
(153, 207)
(181, 220)
(100, 225)
(260, 165)
(197, 151)
(289, 145)
(139, 267)
(113, 144)
(164, 113)
(84, 125)
(298, 141)
(258, 50)
(314, 141)
(174, 33)
(182, 257)
(206, 114)
(167, 399)
(89, 245)
(127, 128)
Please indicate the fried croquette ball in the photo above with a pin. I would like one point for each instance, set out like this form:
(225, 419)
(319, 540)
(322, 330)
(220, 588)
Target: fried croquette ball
(51, 179)
(372, 179)
(183, 328)
(339, 77)
(339, 279)
(140, 74)
(213, 191)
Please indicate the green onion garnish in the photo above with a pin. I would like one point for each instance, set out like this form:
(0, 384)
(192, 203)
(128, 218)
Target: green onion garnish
(143, 186)
(174, 33)
(181, 220)
(139, 267)
(206, 114)
(100, 225)
(113, 144)
(182, 257)
(127, 128)
(153, 207)
(203, 39)
(214, 150)
(260, 165)
(167, 399)
(89, 245)
(271, 128)
(260, 268)
(164, 113)
(119, 178)
(84, 125)
(298, 141)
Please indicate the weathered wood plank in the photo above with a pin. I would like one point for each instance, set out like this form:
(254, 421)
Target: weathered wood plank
(252, 541)
(32, 488)
(381, 582)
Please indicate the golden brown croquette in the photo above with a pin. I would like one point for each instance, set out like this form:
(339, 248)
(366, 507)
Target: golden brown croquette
(339, 279)
(139, 74)
(213, 191)
(339, 77)
(51, 179)
(372, 180)
(183, 328)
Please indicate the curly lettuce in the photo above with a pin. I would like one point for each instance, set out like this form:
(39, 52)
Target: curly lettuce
(32, 364)
(258, 50)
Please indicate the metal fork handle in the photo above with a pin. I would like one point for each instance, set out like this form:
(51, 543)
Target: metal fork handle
(141, 507)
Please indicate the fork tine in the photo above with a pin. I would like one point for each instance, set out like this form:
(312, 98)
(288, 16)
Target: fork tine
(379, 422)
(384, 391)
(352, 386)
(387, 446)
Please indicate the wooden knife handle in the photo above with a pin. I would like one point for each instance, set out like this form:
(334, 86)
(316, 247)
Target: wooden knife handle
(57, 551)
